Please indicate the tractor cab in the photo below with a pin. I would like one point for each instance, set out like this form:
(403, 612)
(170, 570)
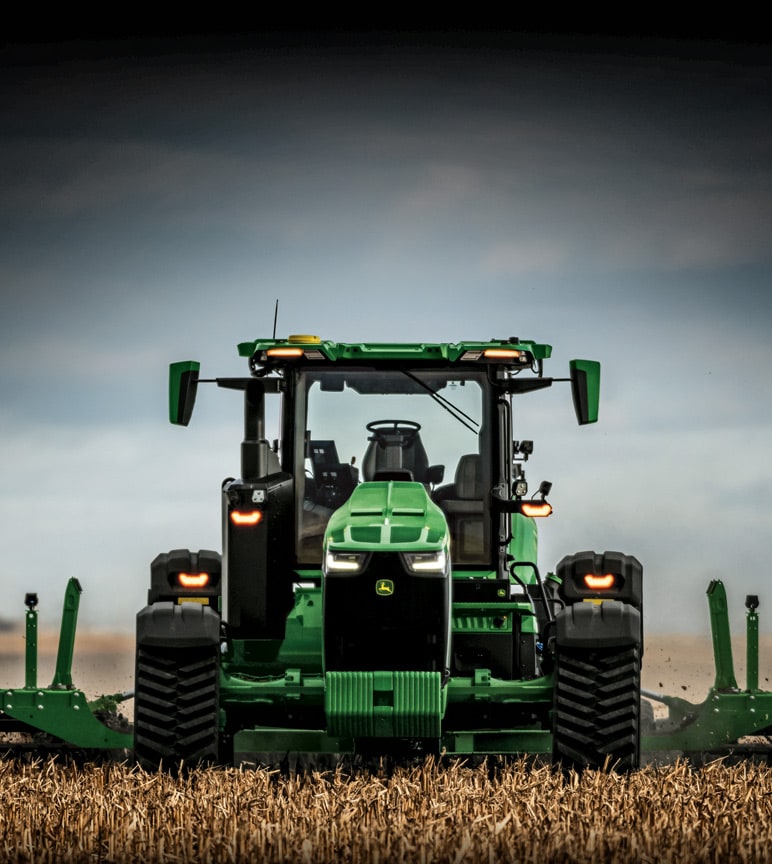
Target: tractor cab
(433, 419)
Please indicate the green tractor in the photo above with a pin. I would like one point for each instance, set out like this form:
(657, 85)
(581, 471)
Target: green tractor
(365, 602)
(378, 592)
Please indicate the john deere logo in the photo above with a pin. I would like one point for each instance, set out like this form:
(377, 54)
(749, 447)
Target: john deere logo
(384, 587)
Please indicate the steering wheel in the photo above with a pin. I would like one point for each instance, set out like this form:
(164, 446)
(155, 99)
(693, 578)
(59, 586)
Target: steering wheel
(405, 429)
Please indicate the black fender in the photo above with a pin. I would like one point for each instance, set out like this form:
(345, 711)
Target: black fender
(178, 625)
(610, 624)
(626, 570)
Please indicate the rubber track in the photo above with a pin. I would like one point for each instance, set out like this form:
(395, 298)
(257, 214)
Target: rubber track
(597, 709)
(176, 706)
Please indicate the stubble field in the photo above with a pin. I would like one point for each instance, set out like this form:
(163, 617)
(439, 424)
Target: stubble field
(50, 811)
(522, 813)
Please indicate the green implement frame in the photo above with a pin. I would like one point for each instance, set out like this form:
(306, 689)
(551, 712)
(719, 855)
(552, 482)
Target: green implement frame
(61, 709)
(729, 714)
(718, 725)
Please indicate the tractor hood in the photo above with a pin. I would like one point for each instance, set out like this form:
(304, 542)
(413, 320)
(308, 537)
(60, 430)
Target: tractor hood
(394, 516)
(386, 598)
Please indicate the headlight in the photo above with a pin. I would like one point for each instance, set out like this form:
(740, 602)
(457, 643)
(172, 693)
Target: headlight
(344, 562)
(426, 562)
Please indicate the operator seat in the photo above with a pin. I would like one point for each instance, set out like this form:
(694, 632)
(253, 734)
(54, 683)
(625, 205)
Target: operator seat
(462, 504)
(414, 458)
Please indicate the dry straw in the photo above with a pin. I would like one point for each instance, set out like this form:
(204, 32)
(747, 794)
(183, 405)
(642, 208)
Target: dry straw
(51, 812)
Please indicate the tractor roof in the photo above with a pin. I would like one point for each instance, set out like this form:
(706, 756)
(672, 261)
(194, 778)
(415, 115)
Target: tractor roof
(312, 347)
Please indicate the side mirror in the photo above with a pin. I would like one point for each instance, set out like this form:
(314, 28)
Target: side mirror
(585, 389)
(183, 384)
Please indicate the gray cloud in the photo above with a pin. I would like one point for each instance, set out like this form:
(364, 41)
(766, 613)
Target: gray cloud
(154, 208)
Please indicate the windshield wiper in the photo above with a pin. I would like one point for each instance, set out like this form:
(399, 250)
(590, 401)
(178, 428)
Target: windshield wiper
(452, 409)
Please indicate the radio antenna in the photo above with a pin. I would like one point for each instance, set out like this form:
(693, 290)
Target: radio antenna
(275, 316)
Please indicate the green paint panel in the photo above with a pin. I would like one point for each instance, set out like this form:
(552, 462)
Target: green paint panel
(497, 742)
(523, 545)
(494, 617)
(718, 722)
(396, 514)
(384, 704)
(302, 645)
(485, 688)
(293, 687)
(349, 703)
(65, 714)
(251, 745)
(752, 650)
(722, 638)
(418, 704)
(63, 672)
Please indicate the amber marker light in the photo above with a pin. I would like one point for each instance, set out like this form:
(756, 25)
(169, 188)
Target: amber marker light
(193, 580)
(284, 352)
(597, 582)
(503, 353)
(535, 508)
(251, 517)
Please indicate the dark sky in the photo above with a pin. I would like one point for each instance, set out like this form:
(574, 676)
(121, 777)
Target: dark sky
(610, 196)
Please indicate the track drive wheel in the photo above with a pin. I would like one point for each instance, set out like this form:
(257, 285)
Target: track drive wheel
(176, 706)
(597, 708)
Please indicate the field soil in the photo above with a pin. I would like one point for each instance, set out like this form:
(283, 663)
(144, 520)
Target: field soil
(677, 665)
(50, 812)
(103, 663)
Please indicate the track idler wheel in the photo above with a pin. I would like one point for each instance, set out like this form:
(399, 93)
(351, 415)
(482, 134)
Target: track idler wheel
(597, 708)
(176, 706)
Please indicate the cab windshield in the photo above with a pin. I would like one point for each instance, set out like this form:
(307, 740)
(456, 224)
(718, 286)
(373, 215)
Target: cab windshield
(368, 424)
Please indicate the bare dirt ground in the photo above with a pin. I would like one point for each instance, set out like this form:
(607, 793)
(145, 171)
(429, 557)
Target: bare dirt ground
(678, 665)
(683, 665)
(103, 663)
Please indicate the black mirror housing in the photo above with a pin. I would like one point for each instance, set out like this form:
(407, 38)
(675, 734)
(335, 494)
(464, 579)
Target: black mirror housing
(183, 384)
(585, 389)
